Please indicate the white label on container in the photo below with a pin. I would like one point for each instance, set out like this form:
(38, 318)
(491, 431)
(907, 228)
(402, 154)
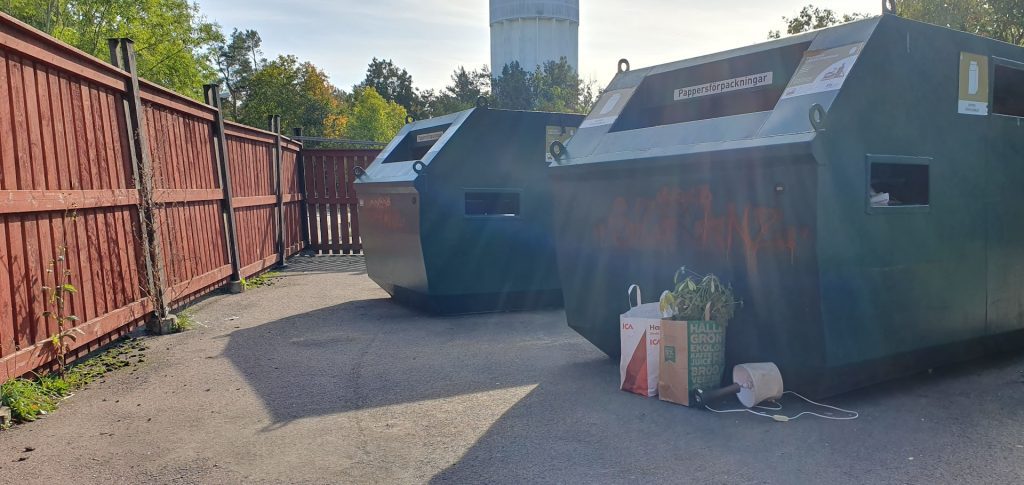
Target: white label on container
(823, 70)
(724, 86)
(429, 136)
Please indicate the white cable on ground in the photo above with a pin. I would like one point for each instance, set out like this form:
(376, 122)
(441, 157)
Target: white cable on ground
(783, 418)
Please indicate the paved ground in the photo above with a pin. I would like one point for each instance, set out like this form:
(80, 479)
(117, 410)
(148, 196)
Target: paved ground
(321, 379)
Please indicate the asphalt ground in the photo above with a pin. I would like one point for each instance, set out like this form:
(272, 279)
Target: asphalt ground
(320, 378)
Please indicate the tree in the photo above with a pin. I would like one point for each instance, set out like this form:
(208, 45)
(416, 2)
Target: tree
(373, 117)
(999, 19)
(237, 59)
(513, 89)
(172, 38)
(466, 88)
(555, 86)
(812, 18)
(393, 84)
(298, 91)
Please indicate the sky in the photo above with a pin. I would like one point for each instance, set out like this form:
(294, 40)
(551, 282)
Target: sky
(431, 39)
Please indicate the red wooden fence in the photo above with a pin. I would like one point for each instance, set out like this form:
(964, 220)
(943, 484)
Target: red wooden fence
(331, 199)
(147, 208)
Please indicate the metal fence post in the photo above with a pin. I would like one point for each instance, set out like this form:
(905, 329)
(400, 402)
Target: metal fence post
(212, 94)
(303, 210)
(123, 55)
(275, 126)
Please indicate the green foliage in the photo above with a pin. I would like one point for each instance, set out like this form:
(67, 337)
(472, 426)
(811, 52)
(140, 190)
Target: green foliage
(237, 61)
(812, 18)
(555, 86)
(466, 88)
(264, 279)
(700, 298)
(998, 19)
(54, 385)
(513, 89)
(298, 91)
(393, 84)
(59, 294)
(183, 322)
(374, 118)
(171, 37)
(31, 398)
(27, 399)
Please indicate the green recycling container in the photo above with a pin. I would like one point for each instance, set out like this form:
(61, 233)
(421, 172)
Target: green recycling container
(860, 186)
(455, 213)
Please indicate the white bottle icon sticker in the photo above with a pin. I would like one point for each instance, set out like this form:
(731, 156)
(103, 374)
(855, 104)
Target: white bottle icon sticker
(972, 78)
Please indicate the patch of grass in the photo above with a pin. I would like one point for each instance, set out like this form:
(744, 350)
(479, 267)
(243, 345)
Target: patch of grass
(184, 322)
(265, 279)
(31, 398)
(27, 398)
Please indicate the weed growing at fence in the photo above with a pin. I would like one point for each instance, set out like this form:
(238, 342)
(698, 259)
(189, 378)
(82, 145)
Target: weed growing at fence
(58, 294)
(31, 398)
(184, 322)
(265, 279)
(27, 399)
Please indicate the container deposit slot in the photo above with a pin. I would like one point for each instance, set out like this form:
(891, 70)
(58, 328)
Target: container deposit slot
(896, 184)
(494, 203)
(1008, 90)
(416, 144)
(739, 85)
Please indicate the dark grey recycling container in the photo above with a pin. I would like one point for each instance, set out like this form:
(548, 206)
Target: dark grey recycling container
(455, 214)
(860, 186)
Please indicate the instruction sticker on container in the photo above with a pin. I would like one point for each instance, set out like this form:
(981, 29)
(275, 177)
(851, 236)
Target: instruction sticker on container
(973, 97)
(823, 70)
(557, 133)
(723, 86)
(608, 108)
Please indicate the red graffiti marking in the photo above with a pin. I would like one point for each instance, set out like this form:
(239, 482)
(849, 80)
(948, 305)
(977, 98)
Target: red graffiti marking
(677, 217)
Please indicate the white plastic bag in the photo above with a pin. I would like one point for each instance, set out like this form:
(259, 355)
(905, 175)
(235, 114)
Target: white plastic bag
(640, 334)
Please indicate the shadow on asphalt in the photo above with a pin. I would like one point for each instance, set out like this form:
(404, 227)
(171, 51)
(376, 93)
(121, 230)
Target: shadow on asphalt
(574, 426)
(370, 353)
(312, 264)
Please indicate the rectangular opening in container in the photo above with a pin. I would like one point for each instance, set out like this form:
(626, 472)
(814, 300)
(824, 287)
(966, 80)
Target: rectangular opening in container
(743, 84)
(416, 144)
(492, 203)
(1008, 91)
(899, 185)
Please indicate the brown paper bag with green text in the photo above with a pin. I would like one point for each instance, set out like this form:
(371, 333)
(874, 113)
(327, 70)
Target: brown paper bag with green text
(692, 355)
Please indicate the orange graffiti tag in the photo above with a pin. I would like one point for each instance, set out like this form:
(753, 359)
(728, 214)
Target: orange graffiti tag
(676, 217)
(377, 210)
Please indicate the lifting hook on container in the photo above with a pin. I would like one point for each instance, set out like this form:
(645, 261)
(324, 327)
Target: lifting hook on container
(409, 119)
(889, 7)
(483, 102)
(418, 166)
(358, 171)
(623, 65)
(817, 117)
(557, 150)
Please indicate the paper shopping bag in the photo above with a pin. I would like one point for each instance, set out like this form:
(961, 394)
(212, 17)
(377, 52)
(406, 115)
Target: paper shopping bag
(640, 333)
(692, 356)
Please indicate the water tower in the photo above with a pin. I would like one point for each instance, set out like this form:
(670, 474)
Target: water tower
(534, 32)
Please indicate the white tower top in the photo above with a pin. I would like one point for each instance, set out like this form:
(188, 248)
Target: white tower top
(534, 32)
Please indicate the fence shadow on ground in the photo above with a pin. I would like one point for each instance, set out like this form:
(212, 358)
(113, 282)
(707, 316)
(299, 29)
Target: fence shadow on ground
(309, 263)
